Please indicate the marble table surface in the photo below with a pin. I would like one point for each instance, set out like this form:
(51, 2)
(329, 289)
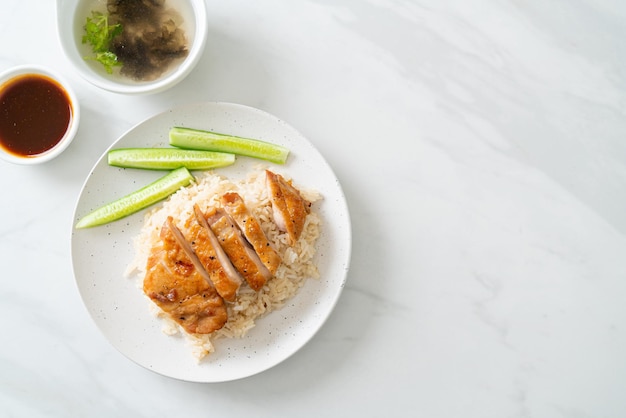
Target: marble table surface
(480, 145)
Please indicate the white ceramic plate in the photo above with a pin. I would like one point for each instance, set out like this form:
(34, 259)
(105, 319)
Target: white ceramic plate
(100, 255)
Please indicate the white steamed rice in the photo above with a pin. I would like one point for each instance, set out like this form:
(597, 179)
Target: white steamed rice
(296, 268)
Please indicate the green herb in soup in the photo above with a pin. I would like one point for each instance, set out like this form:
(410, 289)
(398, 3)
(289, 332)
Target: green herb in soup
(99, 34)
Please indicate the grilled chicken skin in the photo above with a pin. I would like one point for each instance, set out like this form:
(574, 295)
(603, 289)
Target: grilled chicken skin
(205, 244)
(176, 282)
(234, 205)
(289, 208)
(239, 251)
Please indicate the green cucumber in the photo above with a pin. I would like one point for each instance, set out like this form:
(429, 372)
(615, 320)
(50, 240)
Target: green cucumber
(168, 158)
(211, 141)
(137, 200)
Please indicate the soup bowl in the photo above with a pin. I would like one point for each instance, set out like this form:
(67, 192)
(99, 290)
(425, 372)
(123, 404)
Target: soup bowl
(72, 17)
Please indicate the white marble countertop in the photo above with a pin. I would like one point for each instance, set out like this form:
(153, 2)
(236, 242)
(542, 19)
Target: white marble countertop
(480, 145)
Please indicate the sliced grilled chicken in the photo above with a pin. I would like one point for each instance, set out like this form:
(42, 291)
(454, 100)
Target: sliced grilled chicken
(239, 251)
(234, 205)
(204, 243)
(289, 208)
(177, 283)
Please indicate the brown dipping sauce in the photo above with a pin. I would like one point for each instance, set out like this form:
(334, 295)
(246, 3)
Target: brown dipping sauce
(35, 114)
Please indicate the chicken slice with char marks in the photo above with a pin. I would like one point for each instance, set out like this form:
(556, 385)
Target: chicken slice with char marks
(178, 284)
(289, 208)
(205, 244)
(239, 251)
(234, 205)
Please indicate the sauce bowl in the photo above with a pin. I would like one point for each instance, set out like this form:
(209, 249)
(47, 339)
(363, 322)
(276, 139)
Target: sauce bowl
(39, 114)
(71, 19)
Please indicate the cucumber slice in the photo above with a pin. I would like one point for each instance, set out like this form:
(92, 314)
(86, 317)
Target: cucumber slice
(137, 200)
(204, 140)
(168, 158)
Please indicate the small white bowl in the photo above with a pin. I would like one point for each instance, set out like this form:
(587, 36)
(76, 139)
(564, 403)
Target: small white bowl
(7, 79)
(71, 16)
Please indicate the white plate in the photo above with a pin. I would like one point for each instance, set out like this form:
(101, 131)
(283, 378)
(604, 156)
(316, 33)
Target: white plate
(101, 254)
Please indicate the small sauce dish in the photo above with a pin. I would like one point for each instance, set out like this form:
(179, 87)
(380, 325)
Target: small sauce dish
(190, 19)
(39, 114)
